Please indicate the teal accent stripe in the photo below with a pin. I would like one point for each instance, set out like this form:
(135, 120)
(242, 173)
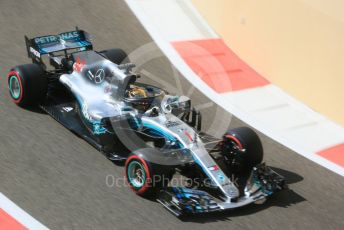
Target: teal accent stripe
(14, 94)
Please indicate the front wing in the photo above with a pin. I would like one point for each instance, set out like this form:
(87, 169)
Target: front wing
(263, 182)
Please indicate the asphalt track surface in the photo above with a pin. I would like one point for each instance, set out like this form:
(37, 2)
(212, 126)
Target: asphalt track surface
(61, 180)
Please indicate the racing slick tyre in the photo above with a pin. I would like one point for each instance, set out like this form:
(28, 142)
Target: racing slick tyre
(27, 84)
(116, 56)
(243, 149)
(144, 177)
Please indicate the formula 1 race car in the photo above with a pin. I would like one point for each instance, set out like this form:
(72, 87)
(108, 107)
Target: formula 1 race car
(97, 96)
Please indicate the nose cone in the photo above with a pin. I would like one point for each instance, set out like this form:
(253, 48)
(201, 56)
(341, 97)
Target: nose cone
(231, 190)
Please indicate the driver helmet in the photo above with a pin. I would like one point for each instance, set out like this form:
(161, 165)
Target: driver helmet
(138, 98)
(137, 92)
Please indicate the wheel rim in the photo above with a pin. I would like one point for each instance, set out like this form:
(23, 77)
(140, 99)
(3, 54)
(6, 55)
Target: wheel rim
(136, 174)
(235, 142)
(14, 86)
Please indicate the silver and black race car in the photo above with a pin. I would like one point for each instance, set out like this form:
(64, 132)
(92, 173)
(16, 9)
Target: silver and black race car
(97, 96)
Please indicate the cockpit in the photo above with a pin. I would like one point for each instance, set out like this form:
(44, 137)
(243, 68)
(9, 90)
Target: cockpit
(96, 80)
(143, 97)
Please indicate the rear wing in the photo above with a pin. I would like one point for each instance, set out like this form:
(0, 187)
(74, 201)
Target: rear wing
(38, 46)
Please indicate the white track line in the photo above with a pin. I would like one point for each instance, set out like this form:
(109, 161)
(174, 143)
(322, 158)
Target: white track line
(19, 214)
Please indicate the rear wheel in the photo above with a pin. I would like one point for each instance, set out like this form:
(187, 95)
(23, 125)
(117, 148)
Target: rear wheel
(116, 56)
(242, 149)
(27, 84)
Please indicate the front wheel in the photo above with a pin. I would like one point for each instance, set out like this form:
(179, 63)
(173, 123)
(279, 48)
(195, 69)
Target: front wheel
(242, 149)
(146, 178)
